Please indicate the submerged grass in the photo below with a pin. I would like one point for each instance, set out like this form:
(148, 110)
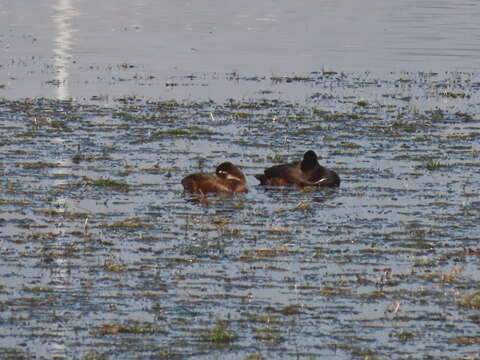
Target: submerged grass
(220, 334)
(131, 327)
(301, 262)
(471, 300)
(108, 184)
(433, 165)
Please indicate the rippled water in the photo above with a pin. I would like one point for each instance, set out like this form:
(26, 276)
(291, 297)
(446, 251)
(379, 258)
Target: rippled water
(113, 48)
(105, 106)
(293, 274)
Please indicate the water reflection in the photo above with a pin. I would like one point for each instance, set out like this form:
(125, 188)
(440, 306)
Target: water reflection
(63, 43)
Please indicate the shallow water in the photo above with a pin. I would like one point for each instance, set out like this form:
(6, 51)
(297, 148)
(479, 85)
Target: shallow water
(85, 49)
(294, 274)
(102, 255)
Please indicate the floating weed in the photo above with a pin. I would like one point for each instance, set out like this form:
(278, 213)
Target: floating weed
(263, 318)
(471, 301)
(433, 165)
(110, 265)
(303, 205)
(467, 136)
(129, 223)
(172, 133)
(94, 355)
(131, 327)
(276, 230)
(418, 244)
(156, 169)
(167, 354)
(14, 202)
(449, 277)
(365, 354)
(108, 184)
(408, 127)
(293, 309)
(277, 158)
(348, 144)
(221, 221)
(331, 291)
(38, 165)
(220, 334)
(191, 133)
(38, 288)
(465, 340)
(424, 262)
(8, 353)
(453, 275)
(403, 336)
(256, 356)
(265, 253)
(453, 95)
(362, 103)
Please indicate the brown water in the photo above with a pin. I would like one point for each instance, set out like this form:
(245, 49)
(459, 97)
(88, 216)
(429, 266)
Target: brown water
(103, 256)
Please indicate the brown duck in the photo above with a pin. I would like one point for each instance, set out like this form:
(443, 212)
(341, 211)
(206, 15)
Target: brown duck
(227, 179)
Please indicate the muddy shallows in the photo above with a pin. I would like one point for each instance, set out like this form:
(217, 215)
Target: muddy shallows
(102, 256)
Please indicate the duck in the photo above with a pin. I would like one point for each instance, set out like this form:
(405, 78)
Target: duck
(227, 179)
(307, 172)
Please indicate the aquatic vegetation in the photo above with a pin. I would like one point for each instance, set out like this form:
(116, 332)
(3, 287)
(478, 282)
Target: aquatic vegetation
(465, 340)
(471, 300)
(95, 355)
(130, 327)
(167, 354)
(293, 309)
(303, 205)
(108, 184)
(404, 336)
(433, 165)
(349, 144)
(111, 265)
(39, 165)
(220, 334)
(129, 223)
(94, 243)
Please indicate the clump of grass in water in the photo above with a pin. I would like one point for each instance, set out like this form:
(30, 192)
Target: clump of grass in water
(349, 144)
(129, 223)
(293, 309)
(404, 336)
(110, 265)
(132, 327)
(220, 334)
(433, 165)
(108, 184)
(471, 301)
(405, 126)
(303, 205)
(38, 165)
(94, 355)
(167, 354)
(276, 158)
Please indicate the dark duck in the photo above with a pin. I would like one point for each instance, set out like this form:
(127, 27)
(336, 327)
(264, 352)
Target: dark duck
(227, 179)
(307, 172)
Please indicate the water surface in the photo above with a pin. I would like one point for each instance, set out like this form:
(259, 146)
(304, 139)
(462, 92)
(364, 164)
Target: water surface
(105, 106)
